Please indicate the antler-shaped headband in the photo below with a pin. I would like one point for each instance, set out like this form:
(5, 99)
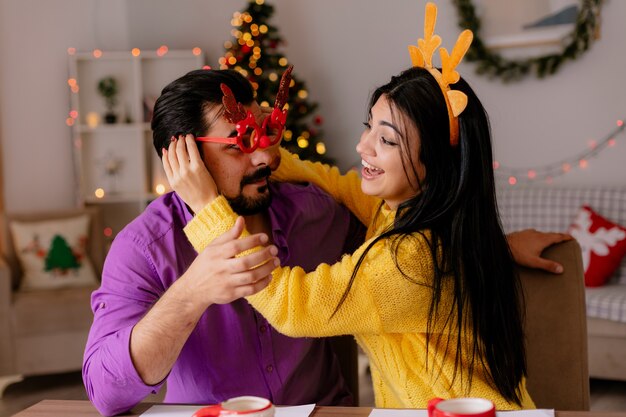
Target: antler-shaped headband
(422, 55)
(235, 112)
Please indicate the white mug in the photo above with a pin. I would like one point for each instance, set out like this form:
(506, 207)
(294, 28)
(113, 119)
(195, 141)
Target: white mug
(461, 407)
(246, 406)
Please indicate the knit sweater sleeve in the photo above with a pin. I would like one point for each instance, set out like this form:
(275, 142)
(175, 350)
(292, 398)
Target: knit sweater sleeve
(380, 300)
(345, 189)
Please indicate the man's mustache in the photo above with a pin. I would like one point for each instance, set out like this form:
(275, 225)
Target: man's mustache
(257, 176)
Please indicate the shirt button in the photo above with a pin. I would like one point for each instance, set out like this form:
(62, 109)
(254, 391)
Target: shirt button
(102, 305)
(269, 368)
(263, 328)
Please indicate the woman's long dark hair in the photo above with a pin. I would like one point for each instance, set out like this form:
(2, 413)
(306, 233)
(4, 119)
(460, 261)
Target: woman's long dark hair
(457, 203)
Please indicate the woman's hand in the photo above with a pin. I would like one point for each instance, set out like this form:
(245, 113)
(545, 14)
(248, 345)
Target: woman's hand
(187, 174)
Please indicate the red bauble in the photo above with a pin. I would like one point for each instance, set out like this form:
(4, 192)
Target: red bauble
(318, 120)
(245, 49)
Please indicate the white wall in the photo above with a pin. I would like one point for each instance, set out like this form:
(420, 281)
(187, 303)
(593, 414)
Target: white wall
(341, 49)
(34, 96)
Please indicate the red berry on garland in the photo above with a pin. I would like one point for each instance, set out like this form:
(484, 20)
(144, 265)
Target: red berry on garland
(318, 120)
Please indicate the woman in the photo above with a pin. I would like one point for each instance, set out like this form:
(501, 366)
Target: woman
(431, 296)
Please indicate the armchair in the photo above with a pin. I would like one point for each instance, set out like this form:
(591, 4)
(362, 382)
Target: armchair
(43, 331)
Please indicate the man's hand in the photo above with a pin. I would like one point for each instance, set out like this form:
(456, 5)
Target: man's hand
(219, 277)
(527, 245)
(216, 276)
(187, 174)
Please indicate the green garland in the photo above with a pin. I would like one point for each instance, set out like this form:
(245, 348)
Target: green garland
(494, 65)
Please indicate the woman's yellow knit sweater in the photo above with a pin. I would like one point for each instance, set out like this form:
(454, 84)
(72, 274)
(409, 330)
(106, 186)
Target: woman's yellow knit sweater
(385, 311)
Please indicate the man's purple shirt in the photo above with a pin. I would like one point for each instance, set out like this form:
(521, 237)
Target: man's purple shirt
(233, 350)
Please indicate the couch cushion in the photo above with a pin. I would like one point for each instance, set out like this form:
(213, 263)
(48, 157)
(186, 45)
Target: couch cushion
(608, 302)
(52, 311)
(53, 253)
(603, 245)
(554, 209)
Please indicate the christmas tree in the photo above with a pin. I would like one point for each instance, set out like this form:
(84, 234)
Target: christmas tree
(254, 53)
(60, 256)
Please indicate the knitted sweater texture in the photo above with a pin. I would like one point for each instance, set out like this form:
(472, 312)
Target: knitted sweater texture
(386, 312)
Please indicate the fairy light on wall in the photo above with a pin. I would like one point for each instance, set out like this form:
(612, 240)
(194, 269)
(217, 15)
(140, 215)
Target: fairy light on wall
(548, 172)
(163, 49)
(160, 189)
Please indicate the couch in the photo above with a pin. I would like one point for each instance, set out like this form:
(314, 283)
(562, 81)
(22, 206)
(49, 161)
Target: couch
(44, 331)
(553, 209)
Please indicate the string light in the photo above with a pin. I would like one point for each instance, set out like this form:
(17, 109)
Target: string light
(71, 51)
(97, 53)
(160, 189)
(320, 148)
(302, 142)
(549, 171)
(163, 49)
(108, 232)
(99, 193)
(135, 51)
(93, 119)
(73, 85)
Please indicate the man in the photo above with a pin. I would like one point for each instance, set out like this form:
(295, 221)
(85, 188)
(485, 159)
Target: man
(159, 317)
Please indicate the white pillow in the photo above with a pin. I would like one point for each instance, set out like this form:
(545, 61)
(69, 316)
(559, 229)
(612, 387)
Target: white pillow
(53, 253)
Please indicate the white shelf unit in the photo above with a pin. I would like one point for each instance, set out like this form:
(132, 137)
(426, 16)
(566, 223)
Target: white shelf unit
(126, 145)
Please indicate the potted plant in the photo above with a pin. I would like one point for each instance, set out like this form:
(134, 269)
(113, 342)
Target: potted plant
(107, 87)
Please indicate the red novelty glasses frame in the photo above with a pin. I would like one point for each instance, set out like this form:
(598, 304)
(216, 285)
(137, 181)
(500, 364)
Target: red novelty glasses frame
(251, 136)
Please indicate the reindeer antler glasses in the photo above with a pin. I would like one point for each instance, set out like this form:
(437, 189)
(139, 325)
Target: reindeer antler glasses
(250, 135)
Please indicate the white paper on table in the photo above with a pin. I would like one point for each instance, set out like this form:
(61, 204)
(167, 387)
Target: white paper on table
(165, 410)
(386, 412)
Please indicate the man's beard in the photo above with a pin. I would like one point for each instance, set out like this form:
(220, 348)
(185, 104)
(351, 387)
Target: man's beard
(246, 206)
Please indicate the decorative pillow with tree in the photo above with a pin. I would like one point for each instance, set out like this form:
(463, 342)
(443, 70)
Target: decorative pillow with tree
(53, 253)
(603, 245)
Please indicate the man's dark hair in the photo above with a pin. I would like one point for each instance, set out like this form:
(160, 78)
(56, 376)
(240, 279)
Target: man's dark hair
(183, 103)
